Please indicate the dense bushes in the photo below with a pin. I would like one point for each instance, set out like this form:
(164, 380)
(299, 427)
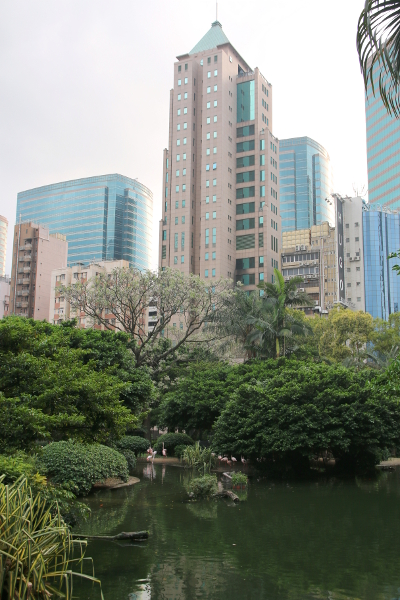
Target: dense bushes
(82, 465)
(304, 409)
(171, 440)
(130, 459)
(134, 443)
(203, 486)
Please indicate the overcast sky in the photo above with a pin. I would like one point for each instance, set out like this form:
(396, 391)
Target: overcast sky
(84, 84)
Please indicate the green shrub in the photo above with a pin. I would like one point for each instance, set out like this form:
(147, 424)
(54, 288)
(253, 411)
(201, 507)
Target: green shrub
(239, 479)
(14, 466)
(202, 459)
(179, 450)
(171, 440)
(82, 465)
(134, 443)
(203, 486)
(130, 459)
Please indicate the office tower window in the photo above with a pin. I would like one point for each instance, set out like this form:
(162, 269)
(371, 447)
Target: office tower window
(214, 166)
(214, 255)
(184, 156)
(175, 260)
(214, 198)
(185, 96)
(260, 221)
(208, 74)
(183, 171)
(184, 141)
(178, 142)
(176, 203)
(215, 134)
(185, 126)
(206, 256)
(164, 235)
(207, 183)
(183, 203)
(179, 82)
(186, 80)
(245, 146)
(178, 127)
(208, 120)
(208, 135)
(206, 273)
(209, 61)
(215, 150)
(215, 58)
(243, 224)
(208, 104)
(214, 235)
(246, 279)
(215, 119)
(183, 240)
(214, 182)
(177, 173)
(262, 175)
(215, 73)
(262, 160)
(243, 209)
(245, 263)
(262, 191)
(215, 103)
(245, 131)
(209, 90)
(179, 68)
(245, 101)
(260, 261)
(215, 88)
(214, 214)
(207, 199)
(245, 161)
(166, 206)
(182, 258)
(186, 66)
(179, 96)
(262, 144)
(245, 192)
(179, 112)
(178, 157)
(207, 236)
(176, 220)
(245, 176)
(208, 152)
(207, 216)
(185, 110)
(183, 220)
(213, 272)
(177, 188)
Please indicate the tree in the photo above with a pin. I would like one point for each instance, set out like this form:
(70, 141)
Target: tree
(303, 409)
(344, 334)
(378, 46)
(186, 306)
(276, 323)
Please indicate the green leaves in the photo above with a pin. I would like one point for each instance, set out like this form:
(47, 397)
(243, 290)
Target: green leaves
(378, 46)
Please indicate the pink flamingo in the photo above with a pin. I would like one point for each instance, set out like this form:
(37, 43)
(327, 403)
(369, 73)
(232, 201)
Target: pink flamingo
(244, 461)
(233, 459)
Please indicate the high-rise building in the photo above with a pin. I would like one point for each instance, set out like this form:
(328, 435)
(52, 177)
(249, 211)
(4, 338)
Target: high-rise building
(354, 281)
(220, 174)
(4, 296)
(109, 217)
(381, 236)
(36, 252)
(3, 245)
(306, 179)
(383, 150)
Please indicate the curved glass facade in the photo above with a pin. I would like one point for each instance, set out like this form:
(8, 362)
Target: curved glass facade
(109, 217)
(381, 236)
(306, 179)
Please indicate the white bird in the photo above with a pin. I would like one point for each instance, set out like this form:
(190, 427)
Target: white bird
(233, 459)
(225, 459)
(244, 461)
(149, 457)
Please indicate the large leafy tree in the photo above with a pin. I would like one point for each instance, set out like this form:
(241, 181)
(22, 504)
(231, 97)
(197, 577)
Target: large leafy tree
(378, 46)
(275, 324)
(303, 409)
(187, 308)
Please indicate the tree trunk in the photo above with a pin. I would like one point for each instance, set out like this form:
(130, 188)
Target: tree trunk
(133, 535)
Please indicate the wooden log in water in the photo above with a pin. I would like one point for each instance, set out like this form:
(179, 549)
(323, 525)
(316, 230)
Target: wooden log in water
(133, 535)
(226, 494)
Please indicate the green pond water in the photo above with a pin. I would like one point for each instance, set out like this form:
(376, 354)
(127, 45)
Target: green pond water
(330, 540)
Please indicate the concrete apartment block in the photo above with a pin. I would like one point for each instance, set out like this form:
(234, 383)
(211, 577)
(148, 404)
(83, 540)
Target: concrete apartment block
(353, 209)
(36, 253)
(3, 245)
(4, 295)
(221, 168)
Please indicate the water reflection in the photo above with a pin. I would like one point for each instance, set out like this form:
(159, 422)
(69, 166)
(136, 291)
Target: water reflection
(325, 540)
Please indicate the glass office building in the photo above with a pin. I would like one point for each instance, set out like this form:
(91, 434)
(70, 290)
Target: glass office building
(383, 150)
(381, 236)
(109, 217)
(305, 181)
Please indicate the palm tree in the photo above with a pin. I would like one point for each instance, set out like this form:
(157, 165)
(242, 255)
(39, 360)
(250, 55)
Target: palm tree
(276, 323)
(378, 45)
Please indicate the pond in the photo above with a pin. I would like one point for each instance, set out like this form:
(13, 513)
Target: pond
(327, 540)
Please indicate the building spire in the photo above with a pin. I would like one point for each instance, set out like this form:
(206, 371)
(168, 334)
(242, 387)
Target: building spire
(216, 11)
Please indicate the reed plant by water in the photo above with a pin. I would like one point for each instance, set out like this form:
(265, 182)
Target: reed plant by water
(36, 547)
(201, 459)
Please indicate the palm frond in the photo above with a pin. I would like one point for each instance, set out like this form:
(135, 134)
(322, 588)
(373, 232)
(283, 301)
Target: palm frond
(378, 46)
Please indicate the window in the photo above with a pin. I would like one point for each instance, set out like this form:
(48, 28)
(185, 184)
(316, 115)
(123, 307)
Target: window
(215, 150)
(179, 112)
(208, 152)
(176, 220)
(185, 111)
(166, 206)
(179, 82)
(262, 191)
(245, 263)
(215, 72)
(182, 258)
(208, 74)
(245, 146)
(215, 103)
(186, 66)
(357, 239)
(184, 156)
(208, 135)
(176, 204)
(185, 96)
(215, 58)
(177, 173)
(207, 183)
(209, 60)
(207, 199)
(215, 134)
(206, 257)
(262, 144)
(175, 260)
(245, 131)
(260, 221)
(246, 192)
(246, 279)
(243, 224)
(245, 161)
(214, 215)
(214, 235)
(207, 216)
(208, 90)
(178, 127)
(208, 120)
(215, 119)
(178, 142)
(179, 96)
(179, 68)
(183, 240)
(260, 261)
(357, 268)
(214, 166)
(214, 198)
(213, 272)
(214, 255)
(183, 220)
(262, 175)
(208, 104)
(185, 126)
(184, 141)
(186, 80)
(177, 188)
(245, 102)
(183, 171)
(207, 236)
(245, 176)
(214, 182)
(206, 273)
(261, 277)
(178, 157)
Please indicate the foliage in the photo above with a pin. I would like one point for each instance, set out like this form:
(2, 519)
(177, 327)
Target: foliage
(60, 382)
(13, 467)
(179, 450)
(170, 440)
(303, 409)
(184, 304)
(239, 479)
(36, 547)
(199, 458)
(134, 443)
(378, 46)
(203, 486)
(82, 465)
(130, 459)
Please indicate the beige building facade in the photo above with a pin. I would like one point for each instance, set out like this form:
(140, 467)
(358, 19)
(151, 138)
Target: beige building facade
(4, 296)
(36, 252)
(221, 168)
(3, 244)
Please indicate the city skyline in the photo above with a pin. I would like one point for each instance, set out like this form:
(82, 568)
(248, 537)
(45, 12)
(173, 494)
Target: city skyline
(53, 135)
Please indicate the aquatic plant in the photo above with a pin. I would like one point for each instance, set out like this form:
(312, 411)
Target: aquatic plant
(202, 459)
(203, 486)
(239, 479)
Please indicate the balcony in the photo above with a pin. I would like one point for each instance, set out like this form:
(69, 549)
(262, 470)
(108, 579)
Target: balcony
(26, 247)
(27, 270)
(28, 257)
(23, 293)
(23, 281)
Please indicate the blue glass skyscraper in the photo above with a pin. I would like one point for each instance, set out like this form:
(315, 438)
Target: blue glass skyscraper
(108, 217)
(383, 150)
(381, 236)
(305, 181)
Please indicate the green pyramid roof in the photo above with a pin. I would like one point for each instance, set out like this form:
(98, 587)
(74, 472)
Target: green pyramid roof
(213, 38)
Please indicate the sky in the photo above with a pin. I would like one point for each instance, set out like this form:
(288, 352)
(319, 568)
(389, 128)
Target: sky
(84, 85)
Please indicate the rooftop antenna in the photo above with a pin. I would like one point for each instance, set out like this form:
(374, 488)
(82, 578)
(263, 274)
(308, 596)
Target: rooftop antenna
(216, 11)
